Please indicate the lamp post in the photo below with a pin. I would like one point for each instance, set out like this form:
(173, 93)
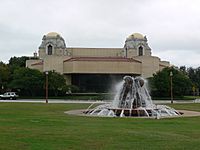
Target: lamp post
(46, 73)
(171, 87)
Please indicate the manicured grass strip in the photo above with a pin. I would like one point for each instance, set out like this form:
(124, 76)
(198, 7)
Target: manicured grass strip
(31, 126)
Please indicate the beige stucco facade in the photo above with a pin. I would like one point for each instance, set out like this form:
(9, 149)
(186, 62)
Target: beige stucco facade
(102, 66)
(95, 52)
(134, 58)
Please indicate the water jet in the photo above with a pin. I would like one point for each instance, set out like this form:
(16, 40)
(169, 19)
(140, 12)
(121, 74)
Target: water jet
(132, 100)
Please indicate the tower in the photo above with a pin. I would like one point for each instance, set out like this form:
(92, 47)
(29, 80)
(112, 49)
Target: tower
(52, 45)
(136, 45)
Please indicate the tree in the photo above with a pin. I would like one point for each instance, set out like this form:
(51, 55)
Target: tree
(194, 75)
(183, 69)
(4, 76)
(28, 81)
(161, 83)
(57, 83)
(17, 62)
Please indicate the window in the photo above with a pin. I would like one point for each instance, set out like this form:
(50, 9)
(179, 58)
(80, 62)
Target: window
(126, 52)
(49, 50)
(140, 51)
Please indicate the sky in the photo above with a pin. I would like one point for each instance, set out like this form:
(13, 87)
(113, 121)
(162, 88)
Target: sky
(172, 27)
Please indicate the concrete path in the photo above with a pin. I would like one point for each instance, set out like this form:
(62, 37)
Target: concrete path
(51, 101)
(89, 101)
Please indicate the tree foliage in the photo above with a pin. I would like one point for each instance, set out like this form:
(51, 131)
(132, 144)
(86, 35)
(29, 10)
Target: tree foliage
(161, 83)
(28, 81)
(31, 82)
(57, 83)
(4, 76)
(194, 75)
(18, 61)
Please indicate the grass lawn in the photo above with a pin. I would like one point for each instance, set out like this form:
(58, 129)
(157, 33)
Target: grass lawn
(25, 126)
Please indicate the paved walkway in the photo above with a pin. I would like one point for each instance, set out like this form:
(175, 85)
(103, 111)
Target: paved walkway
(51, 101)
(89, 101)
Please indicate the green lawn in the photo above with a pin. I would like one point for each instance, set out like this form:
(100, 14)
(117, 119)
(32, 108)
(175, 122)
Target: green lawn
(25, 126)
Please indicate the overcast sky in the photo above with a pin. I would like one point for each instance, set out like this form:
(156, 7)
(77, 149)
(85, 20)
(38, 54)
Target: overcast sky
(172, 26)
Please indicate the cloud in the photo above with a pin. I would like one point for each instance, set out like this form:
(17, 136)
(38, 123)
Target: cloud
(170, 26)
(180, 58)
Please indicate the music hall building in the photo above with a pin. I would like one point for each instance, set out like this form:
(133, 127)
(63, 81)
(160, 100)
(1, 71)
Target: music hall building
(94, 69)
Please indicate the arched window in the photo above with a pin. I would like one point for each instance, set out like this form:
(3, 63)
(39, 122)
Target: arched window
(140, 51)
(49, 50)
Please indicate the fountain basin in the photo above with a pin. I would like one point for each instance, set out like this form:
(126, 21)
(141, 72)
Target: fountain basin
(184, 113)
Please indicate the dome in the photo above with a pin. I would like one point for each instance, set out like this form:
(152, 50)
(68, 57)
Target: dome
(54, 39)
(136, 36)
(52, 34)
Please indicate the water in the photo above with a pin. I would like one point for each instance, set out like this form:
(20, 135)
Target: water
(132, 100)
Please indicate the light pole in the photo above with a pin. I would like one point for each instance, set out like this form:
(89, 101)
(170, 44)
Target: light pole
(46, 73)
(171, 87)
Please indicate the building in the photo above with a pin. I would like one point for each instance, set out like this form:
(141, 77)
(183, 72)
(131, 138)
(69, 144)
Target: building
(93, 69)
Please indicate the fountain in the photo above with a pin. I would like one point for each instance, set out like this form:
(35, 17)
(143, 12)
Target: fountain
(132, 100)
